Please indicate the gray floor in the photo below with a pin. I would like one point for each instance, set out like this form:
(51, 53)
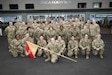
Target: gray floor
(24, 66)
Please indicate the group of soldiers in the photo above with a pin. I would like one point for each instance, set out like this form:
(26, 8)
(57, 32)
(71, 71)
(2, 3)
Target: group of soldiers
(67, 38)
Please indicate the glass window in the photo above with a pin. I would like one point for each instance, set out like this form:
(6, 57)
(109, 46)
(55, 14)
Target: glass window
(29, 6)
(81, 5)
(13, 6)
(97, 5)
(0, 6)
(110, 5)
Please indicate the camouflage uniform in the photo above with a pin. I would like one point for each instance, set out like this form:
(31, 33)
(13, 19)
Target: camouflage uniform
(73, 48)
(16, 48)
(61, 33)
(98, 44)
(17, 24)
(41, 25)
(87, 25)
(78, 24)
(24, 27)
(30, 24)
(37, 34)
(61, 46)
(51, 34)
(67, 31)
(20, 32)
(10, 31)
(23, 43)
(41, 43)
(85, 47)
(84, 31)
(54, 48)
(75, 32)
(94, 30)
(35, 25)
(30, 32)
(81, 25)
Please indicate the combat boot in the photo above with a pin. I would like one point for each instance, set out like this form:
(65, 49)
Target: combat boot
(101, 56)
(87, 56)
(76, 56)
(22, 55)
(48, 59)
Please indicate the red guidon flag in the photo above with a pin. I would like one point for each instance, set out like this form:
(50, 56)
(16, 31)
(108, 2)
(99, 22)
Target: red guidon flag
(31, 49)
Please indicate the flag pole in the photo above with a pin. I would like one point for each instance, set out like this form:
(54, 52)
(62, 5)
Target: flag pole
(59, 55)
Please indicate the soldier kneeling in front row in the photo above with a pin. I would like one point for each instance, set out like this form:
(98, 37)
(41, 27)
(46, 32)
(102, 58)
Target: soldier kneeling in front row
(73, 47)
(16, 47)
(98, 46)
(52, 46)
(85, 46)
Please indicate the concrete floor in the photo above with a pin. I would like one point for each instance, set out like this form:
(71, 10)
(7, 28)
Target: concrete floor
(24, 66)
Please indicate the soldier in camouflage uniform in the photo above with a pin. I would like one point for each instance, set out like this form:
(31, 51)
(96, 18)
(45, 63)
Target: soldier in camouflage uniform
(52, 45)
(94, 29)
(37, 33)
(24, 26)
(30, 23)
(67, 27)
(70, 22)
(98, 46)
(73, 47)
(88, 24)
(41, 42)
(85, 47)
(77, 23)
(84, 31)
(35, 24)
(20, 32)
(81, 23)
(46, 27)
(56, 26)
(23, 42)
(61, 32)
(42, 25)
(75, 31)
(51, 33)
(30, 32)
(61, 45)
(17, 24)
(10, 32)
(16, 47)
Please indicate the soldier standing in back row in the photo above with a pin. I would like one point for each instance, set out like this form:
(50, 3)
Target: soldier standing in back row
(17, 24)
(24, 26)
(94, 30)
(61, 32)
(37, 33)
(20, 32)
(67, 27)
(88, 24)
(84, 31)
(75, 31)
(51, 33)
(35, 24)
(77, 23)
(30, 23)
